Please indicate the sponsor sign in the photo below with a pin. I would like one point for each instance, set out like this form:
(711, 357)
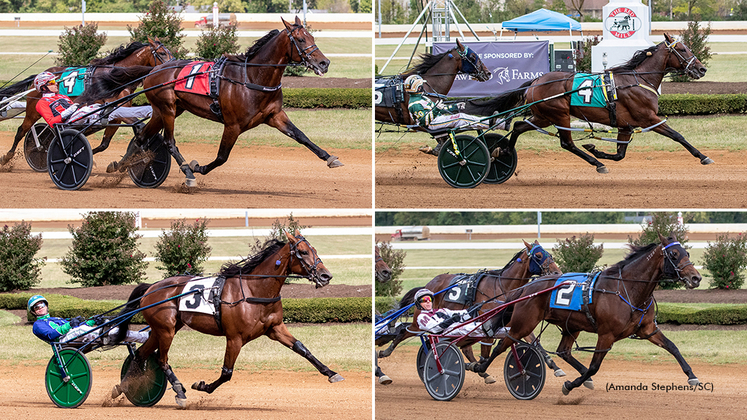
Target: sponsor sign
(622, 23)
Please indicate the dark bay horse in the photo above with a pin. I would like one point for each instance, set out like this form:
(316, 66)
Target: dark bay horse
(250, 94)
(637, 101)
(134, 54)
(621, 306)
(250, 307)
(439, 72)
(532, 260)
(383, 272)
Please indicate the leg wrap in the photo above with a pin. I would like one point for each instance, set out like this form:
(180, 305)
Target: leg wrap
(299, 348)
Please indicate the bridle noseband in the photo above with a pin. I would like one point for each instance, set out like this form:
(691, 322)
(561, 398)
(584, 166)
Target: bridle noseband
(675, 265)
(157, 57)
(311, 270)
(539, 265)
(305, 54)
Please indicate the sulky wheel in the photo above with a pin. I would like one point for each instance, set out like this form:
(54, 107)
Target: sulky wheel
(151, 165)
(469, 168)
(36, 153)
(70, 160)
(148, 388)
(72, 392)
(526, 382)
(444, 386)
(503, 166)
(420, 361)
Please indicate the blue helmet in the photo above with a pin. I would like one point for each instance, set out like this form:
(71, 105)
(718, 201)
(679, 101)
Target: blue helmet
(34, 300)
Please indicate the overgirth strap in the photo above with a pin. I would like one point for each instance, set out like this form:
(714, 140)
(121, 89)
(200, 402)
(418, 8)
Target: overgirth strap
(215, 77)
(610, 93)
(215, 294)
(586, 291)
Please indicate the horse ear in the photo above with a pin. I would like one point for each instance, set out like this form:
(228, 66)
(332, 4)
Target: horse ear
(668, 38)
(287, 25)
(459, 45)
(663, 240)
(298, 21)
(526, 244)
(290, 237)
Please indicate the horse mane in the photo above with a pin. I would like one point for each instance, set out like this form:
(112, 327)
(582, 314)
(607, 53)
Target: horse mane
(254, 48)
(426, 62)
(639, 57)
(635, 252)
(118, 54)
(247, 265)
(499, 272)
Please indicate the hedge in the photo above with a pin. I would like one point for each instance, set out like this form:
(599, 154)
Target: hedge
(312, 310)
(689, 104)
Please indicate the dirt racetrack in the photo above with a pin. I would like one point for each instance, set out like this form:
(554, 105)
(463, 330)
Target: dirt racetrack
(253, 177)
(261, 395)
(406, 397)
(410, 179)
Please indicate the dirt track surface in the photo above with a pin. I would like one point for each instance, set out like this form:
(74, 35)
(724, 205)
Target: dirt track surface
(253, 177)
(410, 179)
(406, 397)
(262, 395)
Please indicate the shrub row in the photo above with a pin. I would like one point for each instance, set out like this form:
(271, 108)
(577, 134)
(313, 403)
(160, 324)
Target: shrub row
(313, 310)
(690, 104)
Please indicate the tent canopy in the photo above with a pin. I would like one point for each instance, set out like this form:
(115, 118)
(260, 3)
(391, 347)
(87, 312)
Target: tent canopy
(542, 20)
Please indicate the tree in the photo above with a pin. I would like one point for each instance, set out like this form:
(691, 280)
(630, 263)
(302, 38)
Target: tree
(79, 45)
(395, 259)
(266, 6)
(165, 24)
(664, 224)
(578, 6)
(224, 6)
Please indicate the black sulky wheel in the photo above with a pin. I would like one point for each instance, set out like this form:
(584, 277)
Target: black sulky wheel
(148, 388)
(70, 160)
(503, 166)
(151, 164)
(420, 362)
(36, 153)
(469, 168)
(444, 386)
(526, 383)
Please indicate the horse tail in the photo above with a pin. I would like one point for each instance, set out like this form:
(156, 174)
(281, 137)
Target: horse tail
(18, 87)
(503, 102)
(109, 85)
(409, 297)
(133, 303)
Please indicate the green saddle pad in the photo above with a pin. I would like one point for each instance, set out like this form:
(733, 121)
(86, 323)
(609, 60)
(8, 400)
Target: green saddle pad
(72, 81)
(588, 90)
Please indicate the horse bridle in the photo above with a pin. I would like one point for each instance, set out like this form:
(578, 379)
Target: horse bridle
(311, 270)
(539, 265)
(683, 61)
(305, 54)
(675, 265)
(157, 57)
(466, 56)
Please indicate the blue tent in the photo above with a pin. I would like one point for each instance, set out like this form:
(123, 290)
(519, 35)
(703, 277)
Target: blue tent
(542, 20)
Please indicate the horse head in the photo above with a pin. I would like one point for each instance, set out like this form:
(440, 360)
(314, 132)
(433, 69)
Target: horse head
(472, 65)
(677, 264)
(541, 263)
(383, 272)
(681, 58)
(159, 52)
(307, 262)
(305, 49)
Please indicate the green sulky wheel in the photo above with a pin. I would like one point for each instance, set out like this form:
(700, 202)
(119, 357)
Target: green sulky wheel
(148, 388)
(72, 391)
(470, 167)
(503, 166)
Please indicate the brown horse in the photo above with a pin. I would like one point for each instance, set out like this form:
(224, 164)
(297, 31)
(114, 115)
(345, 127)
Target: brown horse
(636, 81)
(134, 54)
(439, 72)
(383, 272)
(249, 94)
(532, 260)
(249, 307)
(620, 306)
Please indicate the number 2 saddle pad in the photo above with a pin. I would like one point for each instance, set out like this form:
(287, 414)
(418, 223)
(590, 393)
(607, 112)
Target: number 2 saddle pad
(206, 297)
(589, 90)
(198, 84)
(571, 296)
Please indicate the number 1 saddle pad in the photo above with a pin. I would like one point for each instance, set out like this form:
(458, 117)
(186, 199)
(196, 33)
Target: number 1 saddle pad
(571, 296)
(199, 83)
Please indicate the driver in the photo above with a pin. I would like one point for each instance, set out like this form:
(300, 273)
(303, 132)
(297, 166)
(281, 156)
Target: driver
(443, 320)
(55, 107)
(49, 328)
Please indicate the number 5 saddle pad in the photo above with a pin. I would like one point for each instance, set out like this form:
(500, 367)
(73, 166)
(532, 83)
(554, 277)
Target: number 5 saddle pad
(571, 296)
(199, 83)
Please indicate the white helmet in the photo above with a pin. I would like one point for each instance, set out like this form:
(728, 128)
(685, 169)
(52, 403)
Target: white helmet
(42, 79)
(413, 83)
(420, 294)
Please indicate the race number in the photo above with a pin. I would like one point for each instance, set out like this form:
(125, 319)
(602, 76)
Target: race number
(191, 80)
(196, 296)
(69, 80)
(565, 295)
(455, 294)
(585, 90)
(378, 97)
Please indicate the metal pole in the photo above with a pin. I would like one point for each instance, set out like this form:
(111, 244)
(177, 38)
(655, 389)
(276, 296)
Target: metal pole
(379, 18)
(83, 13)
(539, 223)
(405, 38)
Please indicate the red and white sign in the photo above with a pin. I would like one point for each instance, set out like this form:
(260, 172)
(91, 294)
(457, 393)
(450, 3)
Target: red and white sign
(622, 23)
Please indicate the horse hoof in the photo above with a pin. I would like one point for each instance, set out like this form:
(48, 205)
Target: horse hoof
(426, 149)
(559, 373)
(693, 382)
(190, 182)
(181, 402)
(116, 391)
(112, 167)
(334, 162)
(589, 384)
(490, 380)
(590, 147)
(197, 385)
(193, 165)
(603, 170)
(385, 380)
(565, 389)
(336, 378)
(706, 161)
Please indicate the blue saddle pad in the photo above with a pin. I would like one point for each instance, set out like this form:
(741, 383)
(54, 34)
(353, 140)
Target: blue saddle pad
(570, 296)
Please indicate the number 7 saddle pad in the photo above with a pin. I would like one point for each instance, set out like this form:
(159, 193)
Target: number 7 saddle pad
(571, 296)
(199, 83)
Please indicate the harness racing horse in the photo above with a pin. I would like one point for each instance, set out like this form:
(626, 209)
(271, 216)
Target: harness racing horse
(250, 307)
(383, 272)
(636, 81)
(249, 94)
(134, 54)
(532, 260)
(619, 306)
(439, 72)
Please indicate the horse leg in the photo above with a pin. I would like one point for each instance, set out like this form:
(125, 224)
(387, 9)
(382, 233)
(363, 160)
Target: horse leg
(230, 134)
(280, 334)
(662, 341)
(622, 146)
(108, 135)
(532, 339)
(28, 122)
(284, 124)
(401, 336)
(382, 378)
(566, 142)
(483, 365)
(233, 348)
(467, 351)
(165, 337)
(667, 131)
(564, 351)
(604, 344)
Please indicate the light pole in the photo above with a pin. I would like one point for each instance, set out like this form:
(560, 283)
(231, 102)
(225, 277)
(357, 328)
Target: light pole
(83, 13)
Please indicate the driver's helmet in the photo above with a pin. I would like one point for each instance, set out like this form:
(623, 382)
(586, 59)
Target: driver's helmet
(420, 294)
(413, 83)
(34, 300)
(42, 79)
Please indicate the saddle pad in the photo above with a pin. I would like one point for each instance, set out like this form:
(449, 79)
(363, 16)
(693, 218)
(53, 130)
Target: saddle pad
(570, 297)
(199, 84)
(202, 302)
(464, 292)
(389, 92)
(72, 81)
(591, 91)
